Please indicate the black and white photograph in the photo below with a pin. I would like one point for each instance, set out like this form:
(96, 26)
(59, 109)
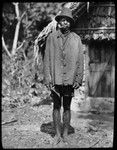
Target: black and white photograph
(58, 75)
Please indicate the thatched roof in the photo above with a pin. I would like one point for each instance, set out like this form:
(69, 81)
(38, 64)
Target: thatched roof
(98, 23)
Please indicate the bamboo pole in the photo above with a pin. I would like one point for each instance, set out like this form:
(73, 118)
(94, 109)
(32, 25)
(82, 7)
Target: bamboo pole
(105, 5)
(100, 28)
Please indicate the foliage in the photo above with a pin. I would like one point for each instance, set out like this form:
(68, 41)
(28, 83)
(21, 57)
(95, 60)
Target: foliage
(22, 79)
(38, 15)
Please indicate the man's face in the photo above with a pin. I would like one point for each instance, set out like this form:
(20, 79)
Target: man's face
(64, 23)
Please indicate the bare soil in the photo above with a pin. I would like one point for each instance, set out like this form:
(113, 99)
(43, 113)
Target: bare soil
(31, 126)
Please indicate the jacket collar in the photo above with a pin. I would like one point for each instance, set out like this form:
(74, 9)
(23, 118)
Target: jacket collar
(59, 34)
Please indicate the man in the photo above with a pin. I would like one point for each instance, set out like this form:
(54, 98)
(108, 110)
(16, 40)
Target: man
(63, 70)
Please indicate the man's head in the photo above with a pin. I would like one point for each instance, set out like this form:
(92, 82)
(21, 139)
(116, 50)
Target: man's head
(64, 23)
(65, 19)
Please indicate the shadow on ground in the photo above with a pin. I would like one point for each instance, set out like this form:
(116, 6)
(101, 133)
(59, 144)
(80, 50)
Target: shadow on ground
(103, 120)
(49, 129)
(101, 117)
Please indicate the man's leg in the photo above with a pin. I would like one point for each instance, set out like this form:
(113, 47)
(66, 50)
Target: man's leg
(66, 116)
(57, 122)
(57, 117)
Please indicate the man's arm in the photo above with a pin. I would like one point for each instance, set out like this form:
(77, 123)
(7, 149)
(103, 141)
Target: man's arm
(47, 77)
(80, 66)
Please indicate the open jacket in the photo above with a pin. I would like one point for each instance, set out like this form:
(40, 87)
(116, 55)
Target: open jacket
(63, 59)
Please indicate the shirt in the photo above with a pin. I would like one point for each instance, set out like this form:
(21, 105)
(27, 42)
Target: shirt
(63, 60)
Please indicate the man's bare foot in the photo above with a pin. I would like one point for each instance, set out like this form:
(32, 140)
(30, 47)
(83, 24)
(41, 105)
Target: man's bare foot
(57, 139)
(66, 140)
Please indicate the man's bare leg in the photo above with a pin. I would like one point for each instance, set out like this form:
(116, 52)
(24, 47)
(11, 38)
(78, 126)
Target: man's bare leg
(57, 125)
(66, 124)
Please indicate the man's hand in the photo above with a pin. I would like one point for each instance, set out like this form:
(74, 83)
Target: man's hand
(76, 85)
(49, 86)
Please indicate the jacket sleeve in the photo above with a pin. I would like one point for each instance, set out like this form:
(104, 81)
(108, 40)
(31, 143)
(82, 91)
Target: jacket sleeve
(79, 65)
(46, 67)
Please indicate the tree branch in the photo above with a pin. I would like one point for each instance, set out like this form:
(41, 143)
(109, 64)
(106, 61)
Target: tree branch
(17, 28)
(16, 9)
(22, 15)
(5, 48)
(21, 45)
(15, 38)
(29, 24)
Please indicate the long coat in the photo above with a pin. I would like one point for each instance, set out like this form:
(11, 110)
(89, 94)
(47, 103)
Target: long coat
(63, 60)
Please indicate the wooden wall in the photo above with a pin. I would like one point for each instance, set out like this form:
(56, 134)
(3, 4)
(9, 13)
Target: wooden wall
(102, 68)
(101, 47)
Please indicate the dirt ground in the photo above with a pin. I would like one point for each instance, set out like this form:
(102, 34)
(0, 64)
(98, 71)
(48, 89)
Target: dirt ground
(31, 126)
